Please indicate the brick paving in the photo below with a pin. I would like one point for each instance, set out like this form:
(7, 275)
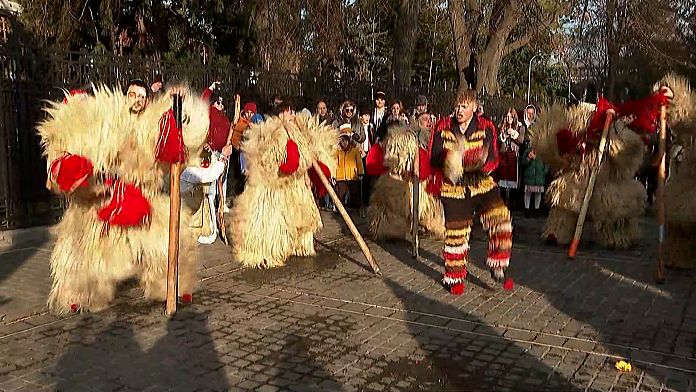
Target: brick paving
(328, 324)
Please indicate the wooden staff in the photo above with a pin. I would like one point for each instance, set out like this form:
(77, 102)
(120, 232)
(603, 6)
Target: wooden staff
(346, 218)
(174, 215)
(415, 204)
(590, 186)
(660, 193)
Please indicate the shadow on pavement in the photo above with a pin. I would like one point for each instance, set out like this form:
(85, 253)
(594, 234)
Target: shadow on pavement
(183, 359)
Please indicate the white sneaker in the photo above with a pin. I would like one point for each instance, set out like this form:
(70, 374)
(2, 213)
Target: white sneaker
(207, 240)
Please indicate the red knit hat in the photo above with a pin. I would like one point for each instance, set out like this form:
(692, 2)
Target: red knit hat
(249, 107)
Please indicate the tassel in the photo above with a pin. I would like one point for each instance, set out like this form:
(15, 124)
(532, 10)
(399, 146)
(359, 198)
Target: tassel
(292, 158)
(435, 182)
(316, 181)
(170, 144)
(127, 208)
(71, 171)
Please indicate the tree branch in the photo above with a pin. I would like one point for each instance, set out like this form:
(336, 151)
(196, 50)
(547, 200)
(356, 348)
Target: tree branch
(517, 44)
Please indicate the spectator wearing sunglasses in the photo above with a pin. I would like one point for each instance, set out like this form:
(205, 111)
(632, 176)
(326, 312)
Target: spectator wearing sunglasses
(348, 115)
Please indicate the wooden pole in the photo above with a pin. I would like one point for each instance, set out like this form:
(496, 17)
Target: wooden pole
(415, 203)
(590, 186)
(660, 195)
(174, 215)
(346, 218)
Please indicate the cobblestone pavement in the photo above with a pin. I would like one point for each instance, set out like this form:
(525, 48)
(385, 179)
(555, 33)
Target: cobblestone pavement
(327, 323)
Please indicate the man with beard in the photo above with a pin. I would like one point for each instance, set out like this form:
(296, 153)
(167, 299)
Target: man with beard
(463, 150)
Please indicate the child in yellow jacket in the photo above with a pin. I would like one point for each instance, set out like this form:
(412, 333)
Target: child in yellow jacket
(349, 169)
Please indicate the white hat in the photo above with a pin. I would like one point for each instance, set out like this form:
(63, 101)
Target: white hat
(345, 128)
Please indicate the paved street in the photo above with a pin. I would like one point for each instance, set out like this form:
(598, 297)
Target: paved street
(328, 324)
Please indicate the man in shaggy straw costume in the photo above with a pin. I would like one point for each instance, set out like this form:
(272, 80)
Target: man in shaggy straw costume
(462, 155)
(105, 153)
(680, 211)
(567, 139)
(390, 206)
(276, 216)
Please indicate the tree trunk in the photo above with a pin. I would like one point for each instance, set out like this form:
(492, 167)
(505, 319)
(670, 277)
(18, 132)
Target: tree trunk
(613, 47)
(461, 39)
(497, 48)
(406, 36)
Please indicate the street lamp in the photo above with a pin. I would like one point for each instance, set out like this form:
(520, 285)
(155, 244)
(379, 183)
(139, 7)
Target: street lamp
(529, 76)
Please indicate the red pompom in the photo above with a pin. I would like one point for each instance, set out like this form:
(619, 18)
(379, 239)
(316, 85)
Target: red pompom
(645, 112)
(316, 181)
(74, 308)
(374, 162)
(292, 158)
(457, 289)
(187, 298)
(170, 144)
(509, 284)
(71, 171)
(127, 208)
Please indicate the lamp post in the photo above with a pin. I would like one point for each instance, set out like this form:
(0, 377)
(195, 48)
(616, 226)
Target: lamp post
(529, 76)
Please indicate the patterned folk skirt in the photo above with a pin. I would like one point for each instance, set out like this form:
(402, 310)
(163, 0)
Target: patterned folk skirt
(508, 170)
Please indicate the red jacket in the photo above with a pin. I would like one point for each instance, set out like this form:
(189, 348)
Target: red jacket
(219, 124)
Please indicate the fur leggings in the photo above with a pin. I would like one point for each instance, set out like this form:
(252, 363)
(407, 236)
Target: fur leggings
(495, 218)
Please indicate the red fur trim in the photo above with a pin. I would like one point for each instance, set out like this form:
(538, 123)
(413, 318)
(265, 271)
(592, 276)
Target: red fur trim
(456, 275)
(509, 284)
(472, 156)
(71, 171)
(170, 144)
(502, 235)
(457, 289)
(500, 254)
(292, 158)
(316, 181)
(128, 207)
(374, 162)
(423, 164)
(454, 256)
(492, 161)
(435, 182)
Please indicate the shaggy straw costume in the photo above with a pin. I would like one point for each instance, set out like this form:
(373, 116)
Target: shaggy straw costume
(102, 158)
(276, 215)
(679, 201)
(390, 207)
(568, 140)
(465, 160)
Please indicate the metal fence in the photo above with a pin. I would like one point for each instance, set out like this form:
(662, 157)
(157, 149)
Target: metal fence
(30, 75)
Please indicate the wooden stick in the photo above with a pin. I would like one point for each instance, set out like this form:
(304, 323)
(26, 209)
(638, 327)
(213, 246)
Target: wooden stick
(415, 203)
(174, 215)
(346, 218)
(590, 186)
(660, 194)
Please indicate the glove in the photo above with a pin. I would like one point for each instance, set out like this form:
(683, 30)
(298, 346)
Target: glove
(355, 137)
